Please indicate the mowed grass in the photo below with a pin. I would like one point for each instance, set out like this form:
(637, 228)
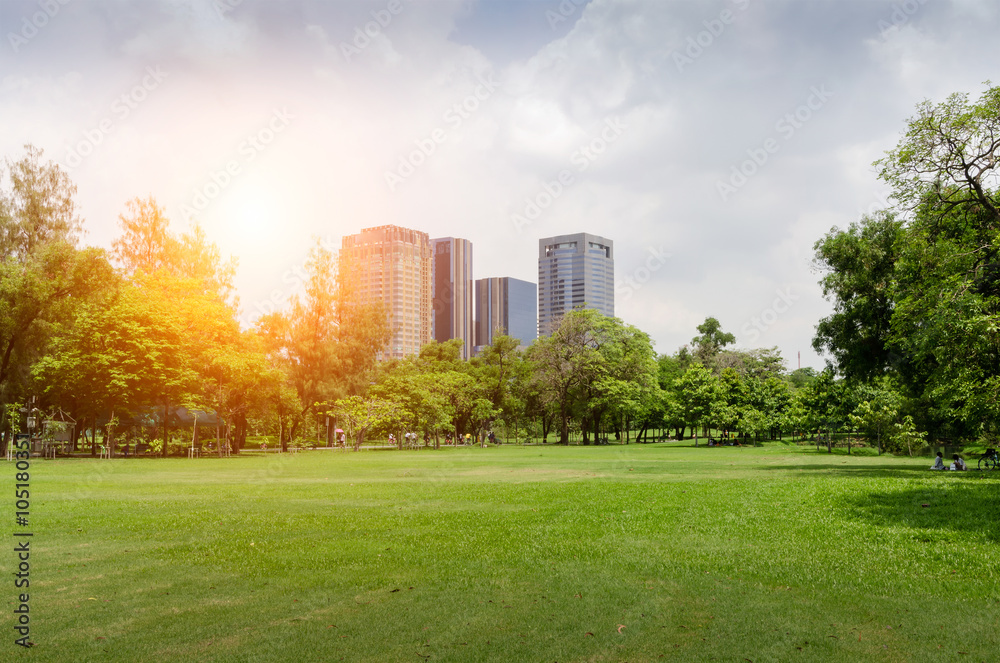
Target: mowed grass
(618, 553)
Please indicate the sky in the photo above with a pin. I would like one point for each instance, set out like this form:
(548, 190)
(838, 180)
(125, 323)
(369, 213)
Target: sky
(713, 142)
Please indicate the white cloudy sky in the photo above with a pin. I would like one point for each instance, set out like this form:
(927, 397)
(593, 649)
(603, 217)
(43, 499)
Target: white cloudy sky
(309, 114)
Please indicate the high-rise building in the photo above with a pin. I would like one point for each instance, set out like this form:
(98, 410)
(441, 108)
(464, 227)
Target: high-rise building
(506, 306)
(452, 293)
(393, 265)
(574, 271)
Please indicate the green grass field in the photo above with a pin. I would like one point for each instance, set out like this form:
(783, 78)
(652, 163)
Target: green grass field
(618, 553)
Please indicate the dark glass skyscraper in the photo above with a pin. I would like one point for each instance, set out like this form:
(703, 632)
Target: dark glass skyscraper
(506, 306)
(452, 296)
(574, 271)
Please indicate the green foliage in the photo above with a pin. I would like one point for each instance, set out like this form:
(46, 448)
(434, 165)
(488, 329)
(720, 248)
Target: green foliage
(700, 397)
(859, 266)
(950, 155)
(591, 367)
(877, 415)
(710, 342)
(920, 299)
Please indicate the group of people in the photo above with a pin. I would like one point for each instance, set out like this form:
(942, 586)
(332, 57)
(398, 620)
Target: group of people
(467, 438)
(957, 463)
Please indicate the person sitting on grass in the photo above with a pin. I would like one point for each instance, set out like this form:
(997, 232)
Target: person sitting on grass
(959, 463)
(938, 462)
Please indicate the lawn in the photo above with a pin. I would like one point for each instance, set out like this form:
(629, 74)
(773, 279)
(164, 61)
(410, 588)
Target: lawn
(617, 553)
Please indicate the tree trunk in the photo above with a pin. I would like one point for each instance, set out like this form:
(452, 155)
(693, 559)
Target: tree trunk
(110, 441)
(564, 427)
(166, 424)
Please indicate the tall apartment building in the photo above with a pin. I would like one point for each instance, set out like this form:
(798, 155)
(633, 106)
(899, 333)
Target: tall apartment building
(393, 265)
(452, 292)
(507, 306)
(574, 271)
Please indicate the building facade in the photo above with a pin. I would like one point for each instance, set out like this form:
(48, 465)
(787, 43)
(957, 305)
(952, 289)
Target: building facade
(508, 306)
(394, 265)
(452, 292)
(574, 271)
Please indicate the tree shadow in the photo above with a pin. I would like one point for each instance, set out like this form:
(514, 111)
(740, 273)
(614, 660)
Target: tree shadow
(844, 468)
(964, 503)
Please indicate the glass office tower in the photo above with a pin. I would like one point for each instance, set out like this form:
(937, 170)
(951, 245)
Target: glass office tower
(506, 306)
(574, 271)
(452, 292)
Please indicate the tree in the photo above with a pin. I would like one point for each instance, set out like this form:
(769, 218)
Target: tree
(502, 370)
(185, 284)
(237, 380)
(699, 396)
(710, 342)
(146, 244)
(42, 273)
(364, 414)
(802, 377)
(564, 362)
(878, 413)
(821, 404)
(590, 366)
(919, 299)
(38, 209)
(859, 272)
(329, 339)
(949, 156)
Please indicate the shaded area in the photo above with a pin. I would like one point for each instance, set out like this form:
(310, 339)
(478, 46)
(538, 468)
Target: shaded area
(843, 468)
(970, 504)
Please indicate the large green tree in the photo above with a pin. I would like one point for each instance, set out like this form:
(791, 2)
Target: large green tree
(43, 275)
(328, 340)
(916, 290)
